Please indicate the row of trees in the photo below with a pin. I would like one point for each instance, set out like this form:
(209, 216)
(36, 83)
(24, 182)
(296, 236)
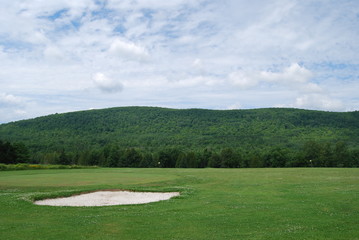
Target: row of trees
(311, 154)
(13, 153)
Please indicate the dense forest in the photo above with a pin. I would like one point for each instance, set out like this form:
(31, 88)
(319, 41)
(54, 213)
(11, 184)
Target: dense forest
(159, 137)
(13, 153)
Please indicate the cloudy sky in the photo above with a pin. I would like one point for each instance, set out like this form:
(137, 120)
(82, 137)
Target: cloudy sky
(67, 55)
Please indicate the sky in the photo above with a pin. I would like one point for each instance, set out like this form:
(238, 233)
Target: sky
(69, 55)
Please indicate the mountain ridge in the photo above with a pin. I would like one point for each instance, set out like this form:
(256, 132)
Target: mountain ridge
(154, 127)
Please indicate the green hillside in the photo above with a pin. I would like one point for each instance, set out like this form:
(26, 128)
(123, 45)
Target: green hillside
(153, 129)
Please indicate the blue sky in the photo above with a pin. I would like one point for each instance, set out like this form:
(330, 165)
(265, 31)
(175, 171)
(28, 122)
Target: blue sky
(64, 55)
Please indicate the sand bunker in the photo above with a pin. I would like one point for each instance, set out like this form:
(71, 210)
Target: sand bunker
(108, 198)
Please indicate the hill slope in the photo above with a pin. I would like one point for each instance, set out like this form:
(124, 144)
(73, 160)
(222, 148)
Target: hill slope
(154, 128)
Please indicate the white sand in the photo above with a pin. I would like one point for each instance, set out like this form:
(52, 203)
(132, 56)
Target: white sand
(108, 198)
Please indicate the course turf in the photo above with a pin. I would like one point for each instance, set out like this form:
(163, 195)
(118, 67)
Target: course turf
(214, 204)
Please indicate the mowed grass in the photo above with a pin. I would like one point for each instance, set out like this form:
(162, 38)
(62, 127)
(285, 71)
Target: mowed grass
(215, 204)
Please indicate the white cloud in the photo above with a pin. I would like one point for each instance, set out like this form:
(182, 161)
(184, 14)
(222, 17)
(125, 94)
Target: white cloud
(309, 88)
(197, 64)
(3, 54)
(107, 84)
(148, 4)
(185, 53)
(293, 77)
(196, 81)
(53, 53)
(9, 100)
(128, 51)
(235, 106)
(11, 107)
(244, 80)
(319, 101)
(292, 74)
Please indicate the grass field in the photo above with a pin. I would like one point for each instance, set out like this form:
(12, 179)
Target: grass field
(215, 204)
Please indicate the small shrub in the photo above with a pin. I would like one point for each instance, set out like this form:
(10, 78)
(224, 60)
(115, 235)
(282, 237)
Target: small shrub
(26, 166)
(3, 167)
(21, 166)
(35, 166)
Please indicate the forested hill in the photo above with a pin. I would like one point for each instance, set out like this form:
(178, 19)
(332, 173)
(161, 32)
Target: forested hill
(152, 128)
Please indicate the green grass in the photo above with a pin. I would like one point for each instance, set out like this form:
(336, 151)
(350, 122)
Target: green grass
(215, 204)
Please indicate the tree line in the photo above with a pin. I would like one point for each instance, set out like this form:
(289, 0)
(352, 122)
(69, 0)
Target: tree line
(13, 153)
(311, 154)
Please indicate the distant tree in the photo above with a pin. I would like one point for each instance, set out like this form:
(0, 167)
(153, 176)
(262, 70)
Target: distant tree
(146, 161)
(84, 158)
(312, 150)
(326, 158)
(105, 153)
(114, 156)
(204, 158)
(7, 153)
(64, 158)
(50, 158)
(255, 160)
(21, 152)
(341, 155)
(309, 155)
(354, 154)
(167, 158)
(192, 159)
(214, 161)
(132, 158)
(96, 157)
(229, 159)
(36, 158)
(277, 157)
(182, 161)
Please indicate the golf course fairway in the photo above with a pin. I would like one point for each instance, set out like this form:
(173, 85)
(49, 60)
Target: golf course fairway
(296, 203)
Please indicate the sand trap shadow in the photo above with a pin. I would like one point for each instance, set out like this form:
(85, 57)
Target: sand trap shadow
(108, 198)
